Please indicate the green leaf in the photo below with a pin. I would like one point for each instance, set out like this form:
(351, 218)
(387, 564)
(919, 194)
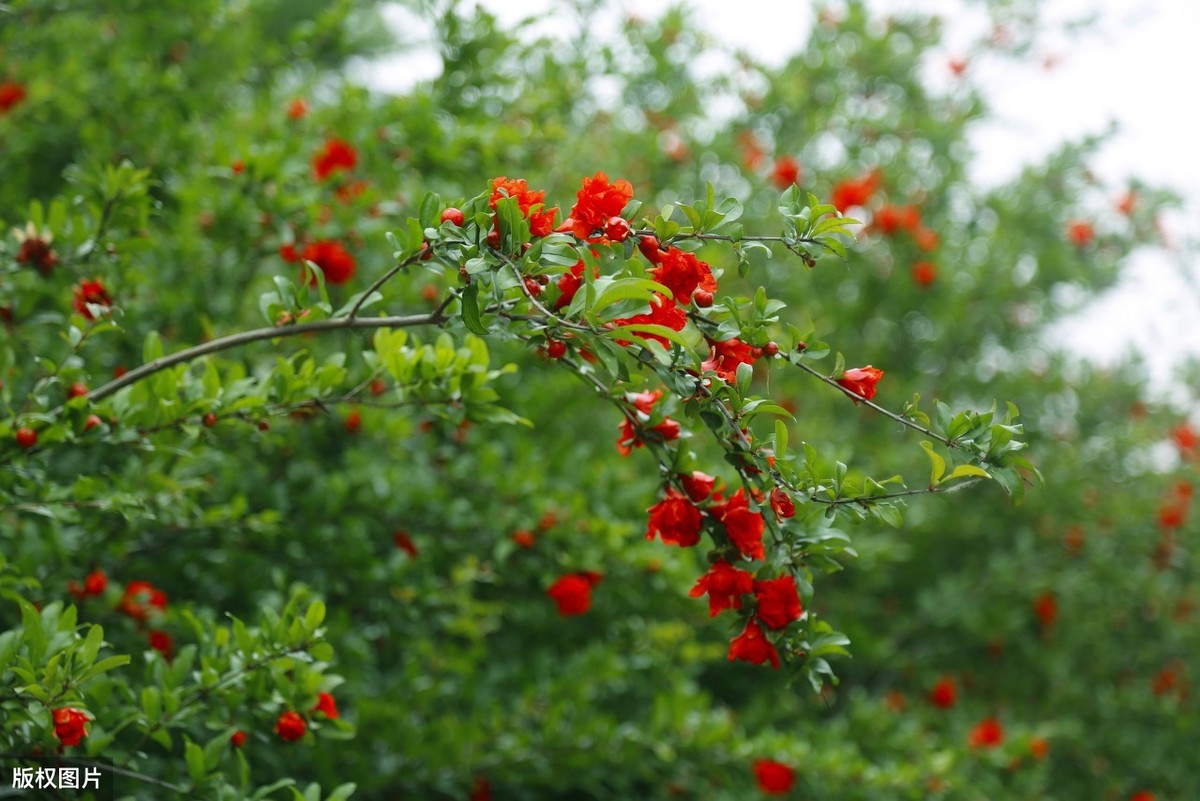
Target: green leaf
(194, 756)
(470, 310)
(967, 470)
(938, 467)
(640, 289)
(315, 615)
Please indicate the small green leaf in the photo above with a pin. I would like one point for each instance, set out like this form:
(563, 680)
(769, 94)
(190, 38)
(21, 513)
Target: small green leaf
(470, 310)
(938, 468)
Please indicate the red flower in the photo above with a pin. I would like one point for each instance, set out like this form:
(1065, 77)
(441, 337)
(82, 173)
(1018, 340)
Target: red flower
(404, 542)
(353, 421)
(35, 247)
(525, 539)
(1127, 202)
(327, 706)
(336, 154)
(753, 646)
(888, 219)
(1165, 680)
(297, 109)
(855, 192)
(725, 357)
(944, 693)
(782, 504)
(162, 642)
(68, 725)
(568, 284)
(1045, 606)
(683, 273)
(290, 726)
(139, 596)
(1172, 515)
(697, 485)
(337, 264)
(1185, 438)
(11, 93)
(644, 401)
(1081, 233)
(861, 381)
(988, 733)
(237, 739)
(785, 172)
(744, 527)
(1142, 795)
(662, 312)
(481, 789)
(774, 778)
(92, 292)
(924, 273)
(95, 583)
(778, 601)
(573, 593)
(1039, 748)
(238, 167)
(676, 520)
(724, 585)
(541, 222)
(596, 203)
(925, 239)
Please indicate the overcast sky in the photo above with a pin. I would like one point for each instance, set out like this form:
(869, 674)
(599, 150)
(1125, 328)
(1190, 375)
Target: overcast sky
(1135, 67)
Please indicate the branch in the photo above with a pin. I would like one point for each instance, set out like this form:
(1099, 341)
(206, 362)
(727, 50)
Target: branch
(435, 317)
(860, 399)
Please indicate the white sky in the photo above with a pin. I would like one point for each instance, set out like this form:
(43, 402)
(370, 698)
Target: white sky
(1136, 67)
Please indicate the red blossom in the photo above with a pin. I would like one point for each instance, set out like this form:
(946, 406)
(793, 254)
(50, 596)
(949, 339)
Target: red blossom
(297, 109)
(326, 705)
(786, 172)
(861, 381)
(1185, 438)
(697, 485)
(925, 239)
(663, 312)
(683, 273)
(743, 527)
(541, 221)
(11, 94)
(569, 283)
(753, 646)
(481, 789)
(290, 726)
(1142, 795)
(778, 601)
(90, 291)
(854, 191)
(34, 248)
(1172, 515)
(889, 219)
(782, 504)
(957, 65)
(1039, 748)
(336, 263)
(139, 597)
(162, 642)
(573, 593)
(676, 520)
(1045, 606)
(93, 584)
(1127, 202)
(404, 542)
(988, 733)
(237, 739)
(1081, 233)
(335, 155)
(644, 401)
(725, 357)
(69, 725)
(524, 539)
(924, 273)
(774, 778)
(944, 693)
(724, 585)
(596, 203)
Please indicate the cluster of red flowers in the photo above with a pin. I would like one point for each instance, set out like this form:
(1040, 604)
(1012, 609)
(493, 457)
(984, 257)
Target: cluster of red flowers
(855, 191)
(572, 593)
(890, 220)
(643, 407)
(94, 584)
(531, 203)
(91, 292)
(291, 726)
(334, 156)
(598, 206)
(337, 264)
(988, 733)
